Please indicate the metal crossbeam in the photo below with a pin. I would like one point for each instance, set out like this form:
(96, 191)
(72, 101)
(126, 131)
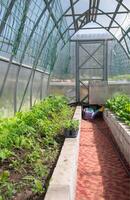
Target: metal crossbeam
(90, 56)
(90, 5)
(53, 18)
(94, 28)
(115, 13)
(73, 15)
(108, 13)
(128, 30)
(93, 9)
(6, 15)
(95, 17)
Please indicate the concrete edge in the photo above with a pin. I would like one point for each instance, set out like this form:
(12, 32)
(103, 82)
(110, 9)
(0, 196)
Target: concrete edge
(62, 185)
(121, 133)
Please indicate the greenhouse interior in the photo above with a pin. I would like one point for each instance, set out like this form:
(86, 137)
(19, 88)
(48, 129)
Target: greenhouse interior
(64, 99)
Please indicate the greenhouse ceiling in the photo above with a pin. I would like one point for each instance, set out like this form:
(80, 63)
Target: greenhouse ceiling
(68, 17)
(111, 15)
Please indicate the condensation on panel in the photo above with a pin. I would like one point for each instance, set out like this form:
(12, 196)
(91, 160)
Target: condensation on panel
(7, 98)
(44, 86)
(3, 68)
(36, 87)
(86, 74)
(26, 100)
(21, 87)
(66, 88)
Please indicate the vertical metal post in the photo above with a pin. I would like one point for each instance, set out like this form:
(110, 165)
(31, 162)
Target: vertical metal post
(105, 61)
(77, 72)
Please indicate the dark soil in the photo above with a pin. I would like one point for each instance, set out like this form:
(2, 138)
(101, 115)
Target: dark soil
(24, 191)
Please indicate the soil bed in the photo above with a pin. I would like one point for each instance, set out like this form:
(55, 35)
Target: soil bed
(30, 144)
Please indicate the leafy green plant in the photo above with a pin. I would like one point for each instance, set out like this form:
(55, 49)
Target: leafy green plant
(30, 143)
(38, 186)
(5, 154)
(71, 124)
(120, 105)
(6, 186)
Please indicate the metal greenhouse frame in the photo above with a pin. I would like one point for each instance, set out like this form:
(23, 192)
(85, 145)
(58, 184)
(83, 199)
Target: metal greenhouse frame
(33, 33)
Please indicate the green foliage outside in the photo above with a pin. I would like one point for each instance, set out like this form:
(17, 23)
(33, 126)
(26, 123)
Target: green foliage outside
(120, 105)
(123, 77)
(29, 145)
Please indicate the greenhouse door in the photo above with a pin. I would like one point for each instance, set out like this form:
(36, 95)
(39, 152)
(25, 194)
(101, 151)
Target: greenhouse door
(91, 64)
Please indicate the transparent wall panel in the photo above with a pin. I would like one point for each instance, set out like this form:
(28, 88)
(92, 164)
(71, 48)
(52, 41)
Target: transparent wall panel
(119, 70)
(21, 87)
(66, 88)
(26, 100)
(36, 87)
(86, 74)
(62, 81)
(3, 69)
(7, 98)
(44, 85)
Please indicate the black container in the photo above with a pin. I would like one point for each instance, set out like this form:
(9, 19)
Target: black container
(71, 133)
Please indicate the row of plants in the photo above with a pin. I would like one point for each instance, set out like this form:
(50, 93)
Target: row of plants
(30, 143)
(120, 105)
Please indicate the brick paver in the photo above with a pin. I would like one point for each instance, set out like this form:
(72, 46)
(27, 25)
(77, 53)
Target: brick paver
(101, 175)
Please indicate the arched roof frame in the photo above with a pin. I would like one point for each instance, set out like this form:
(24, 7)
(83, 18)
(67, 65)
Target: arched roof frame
(124, 32)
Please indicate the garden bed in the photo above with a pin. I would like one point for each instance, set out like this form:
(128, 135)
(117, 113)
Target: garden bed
(117, 116)
(30, 144)
(62, 185)
(120, 132)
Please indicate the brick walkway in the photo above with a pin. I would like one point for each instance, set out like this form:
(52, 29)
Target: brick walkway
(100, 173)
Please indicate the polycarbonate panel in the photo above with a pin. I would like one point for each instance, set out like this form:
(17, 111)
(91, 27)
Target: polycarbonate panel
(108, 5)
(44, 85)
(28, 29)
(127, 39)
(23, 89)
(113, 31)
(69, 20)
(103, 20)
(81, 6)
(7, 98)
(119, 64)
(65, 4)
(120, 18)
(87, 74)
(62, 81)
(26, 100)
(36, 87)
(126, 23)
(23, 79)
(34, 34)
(91, 55)
(83, 56)
(127, 3)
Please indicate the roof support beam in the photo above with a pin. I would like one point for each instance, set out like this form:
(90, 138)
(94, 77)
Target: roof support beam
(108, 13)
(114, 15)
(53, 18)
(95, 17)
(128, 30)
(73, 15)
(94, 9)
(91, 28)
(90, 5)
(6, 15)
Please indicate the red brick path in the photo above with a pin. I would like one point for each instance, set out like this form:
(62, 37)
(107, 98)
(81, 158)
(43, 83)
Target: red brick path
(100, 173)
